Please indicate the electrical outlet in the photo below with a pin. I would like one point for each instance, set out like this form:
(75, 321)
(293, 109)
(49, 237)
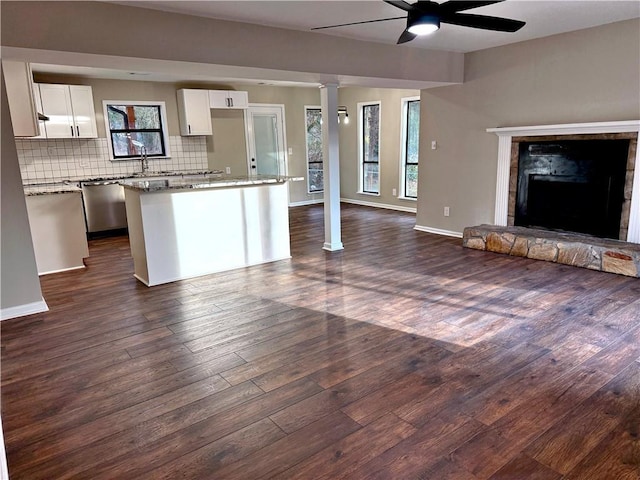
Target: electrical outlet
(446, 211)
(83, 162)
(394, 192)
(290, 151)
(434, 144)
(227, 170)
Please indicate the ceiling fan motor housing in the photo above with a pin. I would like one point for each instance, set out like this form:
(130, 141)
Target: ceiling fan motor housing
(422, 17)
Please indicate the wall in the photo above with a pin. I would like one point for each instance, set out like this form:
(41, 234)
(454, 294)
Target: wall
(590, 75)
(390, 142)
(19, 284)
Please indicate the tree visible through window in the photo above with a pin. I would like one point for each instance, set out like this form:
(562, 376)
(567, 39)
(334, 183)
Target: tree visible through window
(313, 119)
(370, 148)
(133, 127)
(411, 145)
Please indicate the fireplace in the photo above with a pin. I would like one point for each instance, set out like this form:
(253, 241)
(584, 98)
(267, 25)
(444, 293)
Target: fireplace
(584, 198)
(572, 185)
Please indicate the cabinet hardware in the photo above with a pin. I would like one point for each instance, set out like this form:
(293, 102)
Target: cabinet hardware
(78, 130)
(71, 127)
(189, 127)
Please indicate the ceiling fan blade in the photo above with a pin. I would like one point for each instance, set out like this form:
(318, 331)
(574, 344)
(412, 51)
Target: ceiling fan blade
(359, 23)
(461, 5)
(406, 36)
(482, 21)
(407, 7)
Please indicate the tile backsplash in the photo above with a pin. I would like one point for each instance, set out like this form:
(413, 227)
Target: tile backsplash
(67, 158)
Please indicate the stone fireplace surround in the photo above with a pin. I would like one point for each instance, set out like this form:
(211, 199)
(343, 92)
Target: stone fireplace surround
(614, 256)
(509, 138)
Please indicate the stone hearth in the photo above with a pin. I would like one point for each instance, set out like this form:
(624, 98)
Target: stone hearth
(577, 250)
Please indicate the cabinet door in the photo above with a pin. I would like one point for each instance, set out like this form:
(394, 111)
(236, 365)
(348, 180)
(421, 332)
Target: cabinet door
(41, 124)
(84, 115)
(194, 112)
(56, 104)
(218, 99)
(238, 99)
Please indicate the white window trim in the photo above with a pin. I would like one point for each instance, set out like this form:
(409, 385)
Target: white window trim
(164, 121)
(361, 147)
(404, 102)
(306, 148)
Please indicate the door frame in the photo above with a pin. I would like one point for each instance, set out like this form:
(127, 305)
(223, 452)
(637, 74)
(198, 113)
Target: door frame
(248, 126)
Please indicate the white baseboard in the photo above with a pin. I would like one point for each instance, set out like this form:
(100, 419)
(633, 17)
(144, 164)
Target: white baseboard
(22, 310)
(387, 206)
(305, 202)
(438, 231)
(62, 270)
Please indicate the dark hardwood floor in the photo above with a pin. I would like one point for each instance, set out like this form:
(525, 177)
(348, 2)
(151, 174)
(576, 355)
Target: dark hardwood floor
(403, 357)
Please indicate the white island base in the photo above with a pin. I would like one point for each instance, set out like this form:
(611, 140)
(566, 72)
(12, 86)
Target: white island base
(179, 234)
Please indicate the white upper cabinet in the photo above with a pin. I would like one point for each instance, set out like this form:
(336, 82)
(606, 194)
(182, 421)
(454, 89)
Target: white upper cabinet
(84, 114)
(70, 111)
(19, 83)
(194, 112)
(228, 99)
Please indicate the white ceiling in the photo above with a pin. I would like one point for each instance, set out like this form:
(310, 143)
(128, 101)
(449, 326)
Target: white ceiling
(542, 17)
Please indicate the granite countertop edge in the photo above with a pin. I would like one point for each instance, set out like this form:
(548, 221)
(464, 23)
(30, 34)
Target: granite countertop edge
(151, 186)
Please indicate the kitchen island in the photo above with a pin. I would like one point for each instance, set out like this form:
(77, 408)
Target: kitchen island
(184, 228)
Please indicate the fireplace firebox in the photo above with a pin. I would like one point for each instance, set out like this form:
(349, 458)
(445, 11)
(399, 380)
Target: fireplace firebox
(572, 185)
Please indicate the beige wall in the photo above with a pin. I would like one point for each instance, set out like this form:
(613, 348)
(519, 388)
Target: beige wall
(390, 139)
(585, 76)
(19, 283)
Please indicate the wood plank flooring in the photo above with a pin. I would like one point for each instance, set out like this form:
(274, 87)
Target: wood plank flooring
(404, 356)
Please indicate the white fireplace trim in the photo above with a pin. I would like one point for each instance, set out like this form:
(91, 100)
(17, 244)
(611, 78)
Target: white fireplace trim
(505, 135)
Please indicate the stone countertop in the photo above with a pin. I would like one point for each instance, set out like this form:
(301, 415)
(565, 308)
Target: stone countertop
(71, 185)
(185, 184)
(133, 175)
(51, 188)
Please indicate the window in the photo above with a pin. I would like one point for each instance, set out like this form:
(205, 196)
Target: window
(133, 127)
(410, 146)
(313, 121)
(369, 147)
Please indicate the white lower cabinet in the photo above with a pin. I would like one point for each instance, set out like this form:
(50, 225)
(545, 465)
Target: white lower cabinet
(58, 231)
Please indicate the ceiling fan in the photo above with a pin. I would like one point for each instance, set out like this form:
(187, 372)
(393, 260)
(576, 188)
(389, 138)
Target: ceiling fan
(425, 16)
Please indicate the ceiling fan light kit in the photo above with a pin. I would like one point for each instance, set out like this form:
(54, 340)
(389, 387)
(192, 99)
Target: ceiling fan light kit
(422, 24)
(424, 17)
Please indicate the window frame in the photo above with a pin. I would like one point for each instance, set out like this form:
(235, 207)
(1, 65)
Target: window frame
(163, 130)
(404, 125)
(361, 162)
(306, 144)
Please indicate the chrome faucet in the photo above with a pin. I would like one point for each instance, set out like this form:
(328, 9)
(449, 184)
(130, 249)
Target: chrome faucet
(143, 155)
(143, 159)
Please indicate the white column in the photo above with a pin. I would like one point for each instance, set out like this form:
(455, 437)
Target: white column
(331, 167)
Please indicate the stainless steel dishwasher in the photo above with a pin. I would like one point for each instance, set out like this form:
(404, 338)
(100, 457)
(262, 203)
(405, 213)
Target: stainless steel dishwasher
(104, 205)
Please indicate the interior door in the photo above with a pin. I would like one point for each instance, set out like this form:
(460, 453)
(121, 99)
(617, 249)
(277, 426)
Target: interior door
(265, 140)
